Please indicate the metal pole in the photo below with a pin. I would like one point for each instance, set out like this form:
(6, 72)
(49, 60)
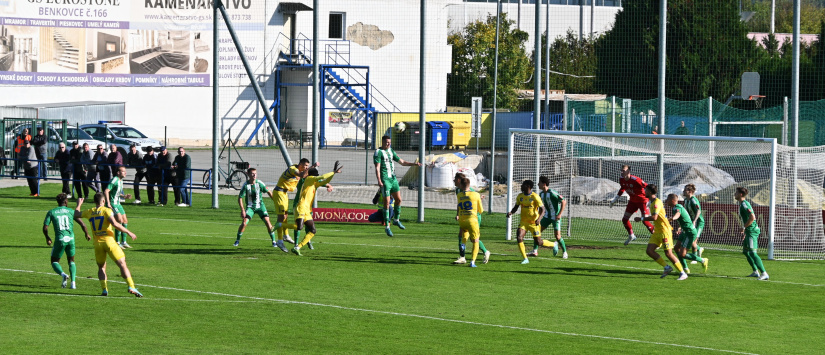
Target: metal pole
(316, 113)
(422, 114)
(795, 73)
(581, 20)
(547, 65)
(613, 124)
(495, 112)
(215, 96)
(772, 206)
(592, 15)
(773, 15)
(254, 82)
(510, 184)
(785, 121)
(662, 71)
(537, 84)
(564, 115)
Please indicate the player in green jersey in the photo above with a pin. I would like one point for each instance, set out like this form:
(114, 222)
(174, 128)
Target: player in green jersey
(750, 234)
(695, 210)
(113, 192)
(554, 204)
(251, 203)
(457, 181)
(684, 233)
(62, 217)
(385, 172)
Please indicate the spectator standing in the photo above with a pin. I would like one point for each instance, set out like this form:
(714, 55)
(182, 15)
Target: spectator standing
(19, 155)
(100, 160)
(30, 167)
(78, 171)
(89, 170)
(182, 165)
(135, 160)
(150, 161)
(165, 165)
(63, 160)
(39, 143)
(682, 130)
(114, 159)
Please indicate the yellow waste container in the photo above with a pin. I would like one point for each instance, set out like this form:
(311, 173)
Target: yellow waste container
(459, 133)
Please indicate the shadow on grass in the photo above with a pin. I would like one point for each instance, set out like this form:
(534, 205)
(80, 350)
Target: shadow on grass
(194, 251)
(437, 261)
(579, 272)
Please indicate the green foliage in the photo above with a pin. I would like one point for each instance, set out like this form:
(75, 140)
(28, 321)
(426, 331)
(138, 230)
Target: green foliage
(812, 13)
(707, 51)
(474, 63)
(569, 55)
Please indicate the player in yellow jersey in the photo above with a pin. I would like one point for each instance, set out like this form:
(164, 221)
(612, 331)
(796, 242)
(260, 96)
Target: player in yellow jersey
(531, 211)
(662, 233)
(463, 235)
(469, 208)
(303, 212)
(103, 224)
(286, 183)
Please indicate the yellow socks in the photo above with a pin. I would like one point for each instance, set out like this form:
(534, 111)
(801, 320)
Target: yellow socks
(475, 251)
(130, 282)
(679, 267)
(546, 243)
(103, 285)
(306, 240)
(521, 248)
(661, 261)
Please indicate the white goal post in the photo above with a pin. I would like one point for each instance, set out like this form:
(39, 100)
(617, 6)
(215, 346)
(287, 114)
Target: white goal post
(584, 167)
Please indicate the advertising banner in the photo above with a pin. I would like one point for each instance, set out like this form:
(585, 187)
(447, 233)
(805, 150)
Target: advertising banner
(348, 215)
(122, 42)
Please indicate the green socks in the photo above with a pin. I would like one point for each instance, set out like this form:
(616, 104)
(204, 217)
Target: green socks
(683, 262)
(387, 216)
(397, 212)
(271, 235)
(757, 261)
(481, 246)
(563, 247)
(297, 235)
(691, 256)
(750, 260)
(56, 267)
(72, 271)
(535, 245)
(123, 235)
(239, 236)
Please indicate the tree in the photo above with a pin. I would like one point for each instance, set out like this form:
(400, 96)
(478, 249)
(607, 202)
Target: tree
(707, 51)
(812, 13)
(571, 62)
(474, 63)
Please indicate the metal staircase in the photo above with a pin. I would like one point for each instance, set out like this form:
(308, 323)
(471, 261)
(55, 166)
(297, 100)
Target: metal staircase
(68, 56)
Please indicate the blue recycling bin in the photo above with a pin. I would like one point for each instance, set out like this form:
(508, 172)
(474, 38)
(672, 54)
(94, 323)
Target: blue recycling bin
(438, 133)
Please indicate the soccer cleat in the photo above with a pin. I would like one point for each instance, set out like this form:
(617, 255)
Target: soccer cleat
(683, 276)
(236, 243)
(309, 244)
(65, 280)
(182, 205)
(135, 292)
(667, 271)
(137, 202)
(297, 251)
(564, 255)
(555, 249)
(473, 264)
(288, 239)
(754, 274)
(525, 261)
(705, 262)
(126, 245)
(486, 257)
(687, 271)
(694, 262)
(73, 286)
(398, 223)
(630, 238)
(533, 253)
(280, 244)
(764, 276)
(105, 293)
(121, 245)
(460, 260)
(389, 232)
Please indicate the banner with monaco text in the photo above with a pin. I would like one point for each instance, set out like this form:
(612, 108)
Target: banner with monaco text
(122, 42)
(348, 215)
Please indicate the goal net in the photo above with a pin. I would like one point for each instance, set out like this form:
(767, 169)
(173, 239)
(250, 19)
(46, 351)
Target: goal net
(584, 167)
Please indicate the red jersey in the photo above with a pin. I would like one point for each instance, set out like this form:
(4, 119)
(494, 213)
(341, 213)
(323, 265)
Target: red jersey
(635, 188)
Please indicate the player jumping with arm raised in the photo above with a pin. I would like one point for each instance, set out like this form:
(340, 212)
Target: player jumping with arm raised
(303, 212)
(385, 172)
(635, 188)
(286, 183)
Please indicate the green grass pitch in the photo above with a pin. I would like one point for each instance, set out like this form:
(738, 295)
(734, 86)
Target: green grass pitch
(362, 292)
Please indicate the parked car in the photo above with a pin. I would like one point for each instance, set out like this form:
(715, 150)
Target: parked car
(54, 138)
(121, 135)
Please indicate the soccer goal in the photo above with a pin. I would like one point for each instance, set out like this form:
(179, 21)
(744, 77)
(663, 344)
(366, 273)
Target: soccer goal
(584, 167)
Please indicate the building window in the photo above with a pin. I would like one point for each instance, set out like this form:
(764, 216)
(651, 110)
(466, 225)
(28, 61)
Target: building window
(336, 25)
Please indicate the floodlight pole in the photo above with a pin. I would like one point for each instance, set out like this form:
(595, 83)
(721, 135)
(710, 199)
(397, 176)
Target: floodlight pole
(422, 114)
(255, 86)
(316, 113)
(537, 84)
(495, 111)
(662, 98)
(216, 30)
(797, 10)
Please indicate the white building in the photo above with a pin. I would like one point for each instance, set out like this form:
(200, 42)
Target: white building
(380, 34)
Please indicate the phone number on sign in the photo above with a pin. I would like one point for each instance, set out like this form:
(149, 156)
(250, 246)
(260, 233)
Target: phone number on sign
(76, 12)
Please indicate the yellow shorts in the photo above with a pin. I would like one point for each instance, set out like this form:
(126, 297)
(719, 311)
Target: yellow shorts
(660, 239)
(469, 229)
(531, 227)
(305, 216)
(281, 202)
(107, 247)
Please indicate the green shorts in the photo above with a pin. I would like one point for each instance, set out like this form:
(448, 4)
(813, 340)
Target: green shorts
(118, 209)
(687, 238)
(261, 212)
(751, 241)
(546, 222)
(390, 186)
(64, 244)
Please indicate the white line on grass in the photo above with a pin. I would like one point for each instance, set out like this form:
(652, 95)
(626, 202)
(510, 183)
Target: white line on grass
(127, 298)
(412, 316)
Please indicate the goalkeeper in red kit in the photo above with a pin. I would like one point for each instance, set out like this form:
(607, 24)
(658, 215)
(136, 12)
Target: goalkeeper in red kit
(635, 188)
